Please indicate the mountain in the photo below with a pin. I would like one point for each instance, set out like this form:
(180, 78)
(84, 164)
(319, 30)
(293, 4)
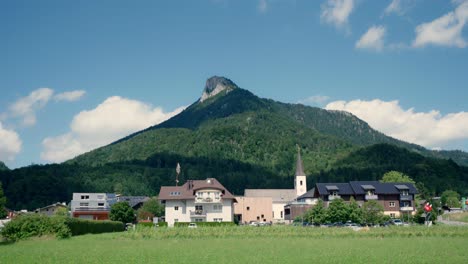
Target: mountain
(3, 166)
(245, 142)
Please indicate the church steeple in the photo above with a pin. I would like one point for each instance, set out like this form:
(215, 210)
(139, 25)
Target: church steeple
(300, 181)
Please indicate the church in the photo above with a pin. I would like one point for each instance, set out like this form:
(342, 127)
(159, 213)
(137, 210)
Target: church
(268, 205)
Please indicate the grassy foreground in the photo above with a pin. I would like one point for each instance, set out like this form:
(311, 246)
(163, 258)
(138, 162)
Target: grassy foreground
(249, 245)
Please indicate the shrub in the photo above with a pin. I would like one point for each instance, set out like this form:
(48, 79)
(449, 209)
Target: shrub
(30, 225)
(82, 226)
(162, 224)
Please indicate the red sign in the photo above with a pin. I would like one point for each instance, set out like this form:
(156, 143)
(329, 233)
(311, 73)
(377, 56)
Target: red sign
(428, 207)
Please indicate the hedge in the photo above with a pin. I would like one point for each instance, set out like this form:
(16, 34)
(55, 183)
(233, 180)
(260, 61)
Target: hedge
(151, 224)
(185, 224)
(31, 225)
(83, 226)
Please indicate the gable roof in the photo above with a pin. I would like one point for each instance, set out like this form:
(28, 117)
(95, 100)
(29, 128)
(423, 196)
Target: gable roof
(277, 195)
(188, 190)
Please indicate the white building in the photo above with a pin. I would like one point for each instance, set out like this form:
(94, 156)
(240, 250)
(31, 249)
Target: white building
(93, 206)
(197, 201)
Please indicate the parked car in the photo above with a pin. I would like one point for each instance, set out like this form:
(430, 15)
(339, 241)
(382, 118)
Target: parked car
(397, 222)
(253, 223)
(192, 225)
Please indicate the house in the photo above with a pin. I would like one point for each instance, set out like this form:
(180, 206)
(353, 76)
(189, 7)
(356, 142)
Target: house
(300, 205)
(396, 198)
(93, 206)
(197, 201)
(50, 210)
(254, 199)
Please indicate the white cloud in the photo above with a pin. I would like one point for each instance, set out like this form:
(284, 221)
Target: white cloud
(10, 144)
(69, 96)
(337, 12)
(314, 100)
(393, 7)
(26, 107)
(373, 39)
(429, 129)
(111, 120)
(445, 30)
(262, 6)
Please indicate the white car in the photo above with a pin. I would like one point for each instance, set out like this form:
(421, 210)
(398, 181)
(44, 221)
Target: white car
(192, 225)
(397, 222)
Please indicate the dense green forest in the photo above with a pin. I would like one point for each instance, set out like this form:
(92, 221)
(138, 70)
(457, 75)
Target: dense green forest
(243, 141)
(3, 166)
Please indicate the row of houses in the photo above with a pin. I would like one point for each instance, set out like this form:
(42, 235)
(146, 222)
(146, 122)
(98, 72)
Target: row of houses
(209, 201)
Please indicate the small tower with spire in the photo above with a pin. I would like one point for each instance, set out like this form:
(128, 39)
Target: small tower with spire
(300, 183)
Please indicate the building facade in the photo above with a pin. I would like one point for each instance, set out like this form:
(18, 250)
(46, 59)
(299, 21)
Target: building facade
(197, 201)
(253, 209)
(50, 210)
(397, 199)
(92, 206)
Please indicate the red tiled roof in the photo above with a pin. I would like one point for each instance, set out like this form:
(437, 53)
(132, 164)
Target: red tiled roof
(187, 191)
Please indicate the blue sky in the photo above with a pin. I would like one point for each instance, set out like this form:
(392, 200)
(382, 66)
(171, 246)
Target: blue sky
(76, 75)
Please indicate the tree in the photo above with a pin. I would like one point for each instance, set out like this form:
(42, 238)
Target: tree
(337, 211)
(317, 214)
(3, 212)
(372, 212)
(355, 214)
(122, 212)
(451, 199)
(154, 207)
(396, 176)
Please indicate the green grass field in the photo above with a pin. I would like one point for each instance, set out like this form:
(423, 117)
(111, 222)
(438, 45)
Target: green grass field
(460, 217)
(282, 244)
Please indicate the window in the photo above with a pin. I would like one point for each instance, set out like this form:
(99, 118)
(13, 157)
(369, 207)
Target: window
(84, 204)
(301, 183)
(198, 207)
(217, 219)
(391, 204)
(84, 197)
(100, 204)
(176, 208)
(281, 214)
(406, 204)
(273, 214)
(370, 192)
(174, 193)
(334, 193)
(198, 219)
(263, 216)
(217, 207)
(217, 195)
(404, 192)
(248, 208)
(199, 194)
(392, 215)
(100, 197)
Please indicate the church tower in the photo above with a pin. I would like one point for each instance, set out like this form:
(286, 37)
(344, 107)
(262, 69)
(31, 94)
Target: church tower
(300, 184)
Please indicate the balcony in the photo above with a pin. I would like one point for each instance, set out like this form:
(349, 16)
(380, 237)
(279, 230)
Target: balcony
(406, 197)
(333, 197)
(371, 197)
(209, 200)
(406, 208)
(198, 213)
(92, 209)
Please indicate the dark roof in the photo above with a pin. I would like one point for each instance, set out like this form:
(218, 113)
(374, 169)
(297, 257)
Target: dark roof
(342, 188)
(299, 166)
(381, 187)
(309, 194)
(188, 190)
(360, 187)
(133, 200)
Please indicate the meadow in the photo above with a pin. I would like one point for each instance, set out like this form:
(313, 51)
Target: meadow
(277, 244)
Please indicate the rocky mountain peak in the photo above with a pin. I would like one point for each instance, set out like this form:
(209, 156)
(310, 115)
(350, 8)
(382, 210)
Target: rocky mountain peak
(216, 85)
